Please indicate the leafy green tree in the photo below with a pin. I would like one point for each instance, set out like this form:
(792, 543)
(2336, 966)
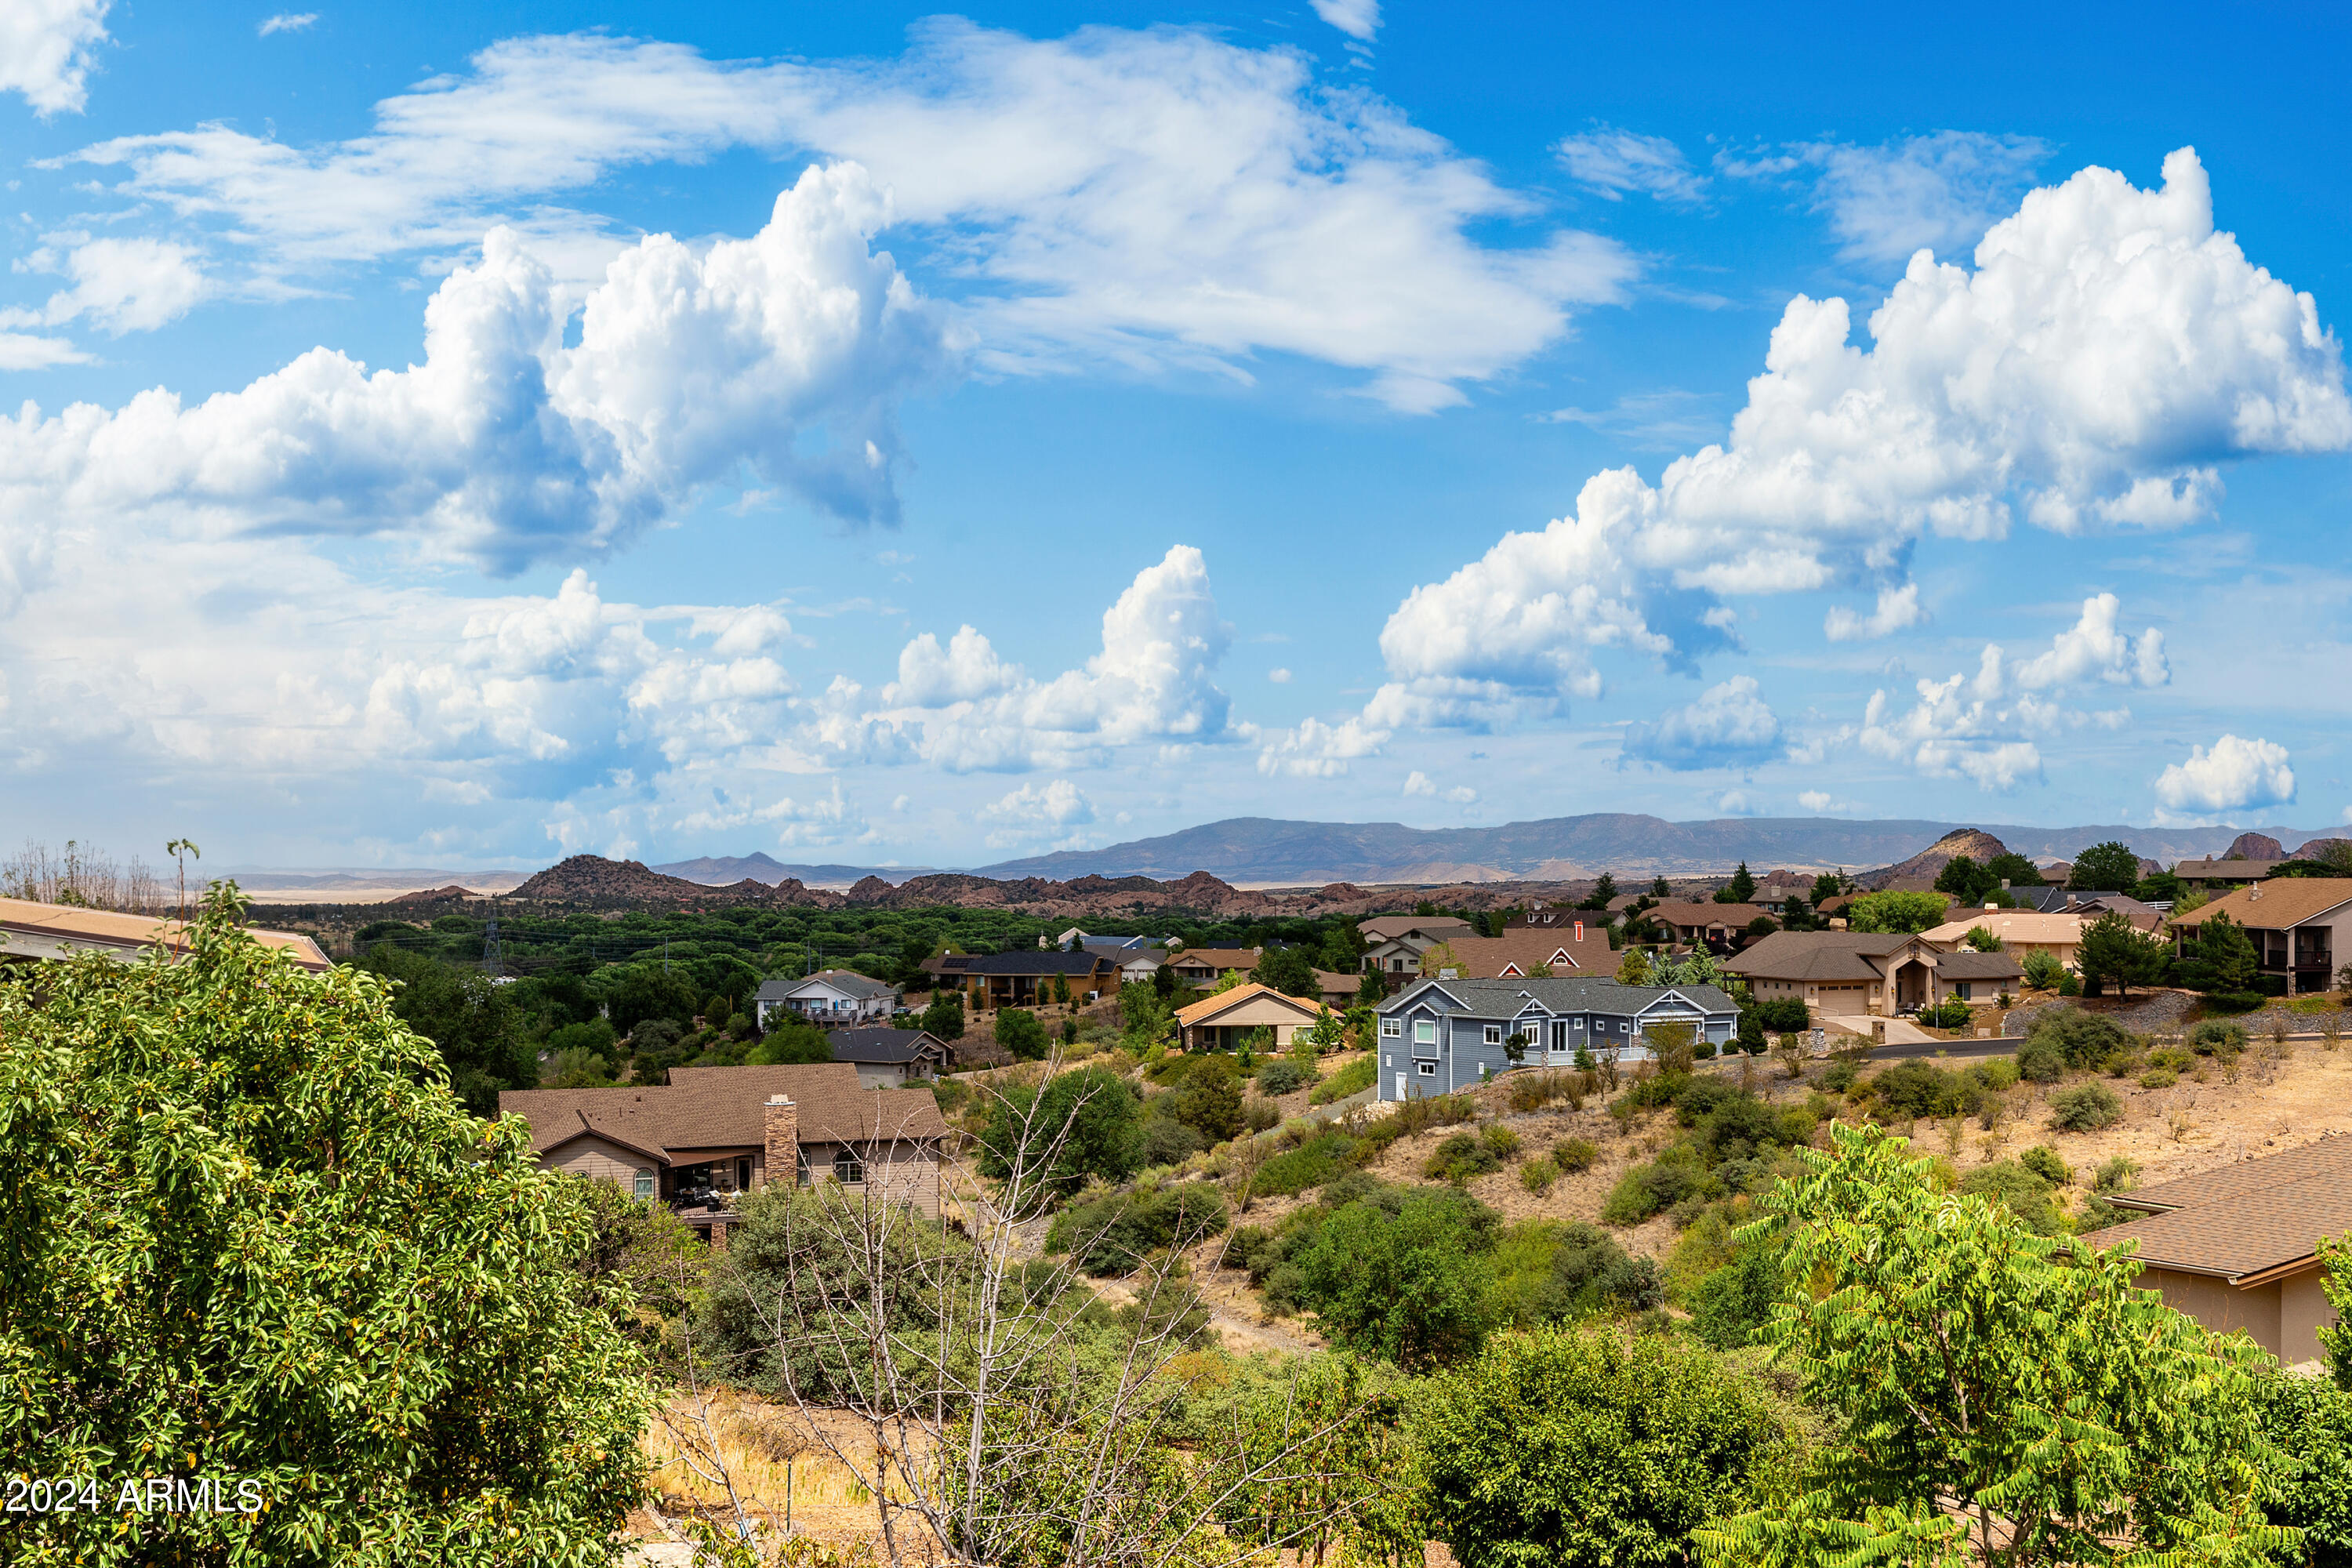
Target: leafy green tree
(1209, 1100)
(2105, 867)
(1603, 891)
(1827, 885)
(1993, 1392)
(2043, 970)
(1980, 939)
(1739, 890)
(2308, 1422)
(648, 1256)
(1403, 1274)
(1288, 970)
(1085, 1123)
(2158, 888)
(1018, 1031)
(1658, 889)
(1568, 1449)
(1966, 880)
(2220, 959)
(648, 991)
(2113, 950)
(1371, 990)
(2016, 870)
(1343, 950)
(482, 1038)
(249, 1232)
(1796, 914)
(944, 1016)
(1633, 969)
(790, 1040)
(1895, 912)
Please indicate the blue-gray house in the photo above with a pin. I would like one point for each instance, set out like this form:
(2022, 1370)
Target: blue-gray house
(1438, 1036)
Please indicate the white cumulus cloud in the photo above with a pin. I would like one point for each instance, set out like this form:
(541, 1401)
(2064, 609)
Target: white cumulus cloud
(1031, 812)
(1155, 198)
(783, 353)
(46, 46)
(123, 284)
(2236, 774)
(1358, 19)
(2108, 350)
(1729, 726)
(1898, 609)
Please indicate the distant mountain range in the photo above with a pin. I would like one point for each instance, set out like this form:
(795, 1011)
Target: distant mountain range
(1264, 850)
(720, 869)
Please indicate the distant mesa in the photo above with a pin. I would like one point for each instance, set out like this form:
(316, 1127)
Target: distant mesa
(1928, 864)
(435, 895)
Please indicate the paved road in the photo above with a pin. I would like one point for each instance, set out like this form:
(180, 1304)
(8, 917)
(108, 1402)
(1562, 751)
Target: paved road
(1928, 1046)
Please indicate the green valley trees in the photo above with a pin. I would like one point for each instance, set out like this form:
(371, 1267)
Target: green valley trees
(1894, 911)
(2109, 867)
(1289, 970)
(248, 1231)
(2114, 950)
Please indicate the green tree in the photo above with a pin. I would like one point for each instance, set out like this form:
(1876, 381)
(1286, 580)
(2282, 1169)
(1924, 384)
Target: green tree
(1990, 1393)
(249, 1232)
(1633, 969)
(1658, 889)
(649, 1258)
(2105, 867)
(1568, 1449)
(1403, 1274)
(1966, 880)
(1086, 1123)
(1894, 911)
(481, 1036)
(648, 991)
(1288, 970)
(1371, 990)
(1603, 891)
(790, 1041)
(1739, 890)
(944, 1016)
(2114, 950)
(2220, 959)
(1209, 1101)
(1018, 1031)
(2308, 1422)
(2016, 870)
(1980, 939)
(1827, 885)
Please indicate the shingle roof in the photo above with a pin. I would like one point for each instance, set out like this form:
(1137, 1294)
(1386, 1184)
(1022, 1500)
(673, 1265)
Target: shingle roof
(2248, 1218)
(1966, 963)
(1208, 1007)
(1485, 957)
(1505, 999)
(1817, 956)
(1382, 928)
(2011, 925)
(2277, 904)
(105, 931)
(2224, 870)
(1047, 962)
(849, 981)
(871, 1045)
(717, 1107)
(1735, 916)
(1217, 958)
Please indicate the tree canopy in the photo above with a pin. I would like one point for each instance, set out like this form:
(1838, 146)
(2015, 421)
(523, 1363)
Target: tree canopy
(247, 1230)
(2105, 867)
(1894, 911)
(2114, 950)
(1739, 890)
(1289, 970)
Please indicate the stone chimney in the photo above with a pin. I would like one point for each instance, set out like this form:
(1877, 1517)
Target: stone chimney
(783, 1138)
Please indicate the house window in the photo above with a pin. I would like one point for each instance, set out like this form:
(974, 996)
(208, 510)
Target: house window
(1962, 990)
(1494, 1034)
(1560, 1034)
(1424, 1031)
(848, 1169)
(1428, 1069)
(645, 1187)
(1391, 1028)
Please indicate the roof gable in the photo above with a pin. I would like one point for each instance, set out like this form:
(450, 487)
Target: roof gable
(1208, 1009)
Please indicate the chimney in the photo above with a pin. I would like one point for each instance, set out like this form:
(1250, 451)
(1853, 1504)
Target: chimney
(1580, 931)
(784, 1154)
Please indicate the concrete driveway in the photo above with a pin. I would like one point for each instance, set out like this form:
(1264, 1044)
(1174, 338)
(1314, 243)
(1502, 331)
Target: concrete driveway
(1899, 1031)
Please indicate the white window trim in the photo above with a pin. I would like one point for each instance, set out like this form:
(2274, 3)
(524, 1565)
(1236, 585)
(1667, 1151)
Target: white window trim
(1391, 1029)
(1494, 1034)
(1427, 1068)
(1424, 1031)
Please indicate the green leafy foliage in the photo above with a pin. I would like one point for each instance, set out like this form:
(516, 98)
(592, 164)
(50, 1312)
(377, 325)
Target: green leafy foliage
(1978, 1382)
(1085, 1123)
(2109, 867)
(2043, 970)
(1460, 1157)
(1289, 970)
(1403, 1274)
(246, 1230)
(1353, 1078)
(2084, 1039)
(481, 1036)
(2308, 1424)
(1283, 1075)
(2220, 1037)
(2220, 958)
(1019, 1032)
(944, 1016)
(1114, 1233)
(2115, 952)
(1568, 1449)
(2084, 1107)
(2024, 1190)
(1209, 1098)
(1894, 911)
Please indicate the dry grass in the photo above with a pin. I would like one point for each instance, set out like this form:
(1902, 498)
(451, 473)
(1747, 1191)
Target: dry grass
(779, 1468)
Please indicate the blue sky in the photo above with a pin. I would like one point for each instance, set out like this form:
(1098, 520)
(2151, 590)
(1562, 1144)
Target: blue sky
(467, 435)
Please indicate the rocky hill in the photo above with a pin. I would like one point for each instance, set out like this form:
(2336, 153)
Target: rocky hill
(1973, 842)
(592, 880)
(2254, 847)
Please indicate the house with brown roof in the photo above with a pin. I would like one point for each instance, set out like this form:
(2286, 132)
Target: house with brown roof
(827, 998)
(2223, 873)
(1860, 973)
(2021, 931)
(31, 931)
(712, 1133)
(1207, 965)
(2237, 1248)
(1394, 944)
(2297, 924)
(1580, 949)
(1717, 927)
(1020, 979)
(891, 1059)
(1219, 1022)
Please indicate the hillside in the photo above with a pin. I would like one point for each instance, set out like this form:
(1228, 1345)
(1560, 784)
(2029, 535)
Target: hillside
(720, 869)
(592, 880)
(1266, 850)
(1974, 843)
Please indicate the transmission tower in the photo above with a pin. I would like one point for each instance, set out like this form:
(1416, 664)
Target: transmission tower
(490, 960)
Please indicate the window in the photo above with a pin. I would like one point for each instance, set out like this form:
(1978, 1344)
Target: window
(1424, 1031)
(1560, 1034)
(1963, 989)
(1428, 1069)
(645, 1183)
(1621, 1028)
(848, 1169)
(1391, 1028)
(1494, 1034)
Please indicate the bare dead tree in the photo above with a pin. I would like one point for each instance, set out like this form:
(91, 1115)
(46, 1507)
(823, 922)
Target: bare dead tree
(975, 1393)
(83, 876)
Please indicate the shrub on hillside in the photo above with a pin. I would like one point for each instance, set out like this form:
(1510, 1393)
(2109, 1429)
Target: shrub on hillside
(2218, 1037)
(1538, 1174)
(1652, 1187)
(1574, 1154)
(2044, 1162)
(2024, 1189)
(2085, 1108)
(2040, 1061)
(1114, 1233)
(1403, 1273)
(1283, 1075)
(1462, 1156)
(2085, 1039)
(1321, 1157)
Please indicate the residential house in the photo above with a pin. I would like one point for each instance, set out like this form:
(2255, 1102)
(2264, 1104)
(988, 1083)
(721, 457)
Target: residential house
(1718, 928)
(1438, 1036)
(2022, 932)
(2146, 917)
(1394, 944)
(2297, 924)
(1220, 1022)
(1207, 965)
(31, 931)
(1854, 974)
(1773, 893)
(1551, 917)
(829, 997)
(1026, 979)
(713, 1132)
(2223, 873)
(1338, 991)
(891, 1059)
(2237, 1248)
(1135, 964)
(1520, 951)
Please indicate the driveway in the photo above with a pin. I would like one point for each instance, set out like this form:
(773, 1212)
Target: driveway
(1899, 1031)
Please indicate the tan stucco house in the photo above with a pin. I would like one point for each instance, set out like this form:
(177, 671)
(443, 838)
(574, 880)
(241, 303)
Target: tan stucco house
(1219, 1022)
(1856, 972)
